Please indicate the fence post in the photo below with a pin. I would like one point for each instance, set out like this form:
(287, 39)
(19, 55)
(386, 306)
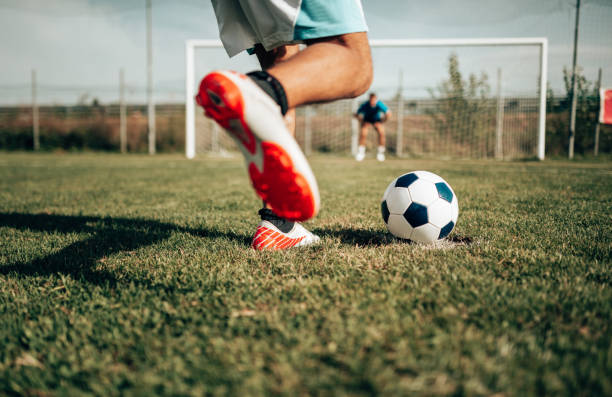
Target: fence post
(399, 143)
(596, 147)
(122, 113)
(190, 138)
(574, 102)
(499, 131)
(400, 127)
(150, 100)
(35, 118)
(308, 130)
(215, 147)
(354, 127)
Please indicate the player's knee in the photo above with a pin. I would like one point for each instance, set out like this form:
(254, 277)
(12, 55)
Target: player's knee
(363, 79)
(359, 58)
(363, 74)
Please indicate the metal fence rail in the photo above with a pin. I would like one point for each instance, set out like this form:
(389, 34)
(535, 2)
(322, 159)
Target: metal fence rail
(504, 128)
(417, 128)
(96, 127)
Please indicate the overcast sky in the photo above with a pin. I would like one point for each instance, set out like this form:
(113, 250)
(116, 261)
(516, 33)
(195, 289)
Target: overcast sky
(78, 46)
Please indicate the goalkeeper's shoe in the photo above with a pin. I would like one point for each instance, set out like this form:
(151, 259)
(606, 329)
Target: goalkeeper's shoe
(276, 165)
(275, 233)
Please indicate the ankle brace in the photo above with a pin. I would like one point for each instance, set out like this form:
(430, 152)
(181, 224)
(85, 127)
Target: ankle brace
(272, 87)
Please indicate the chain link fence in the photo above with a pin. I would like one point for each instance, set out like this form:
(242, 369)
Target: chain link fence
(417, 127)
(92, 127)
(491, 128)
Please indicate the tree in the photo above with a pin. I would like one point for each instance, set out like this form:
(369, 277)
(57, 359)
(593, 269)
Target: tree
(587, 104)
(463, 110)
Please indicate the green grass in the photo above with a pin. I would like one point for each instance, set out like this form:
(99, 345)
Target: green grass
(133, 275)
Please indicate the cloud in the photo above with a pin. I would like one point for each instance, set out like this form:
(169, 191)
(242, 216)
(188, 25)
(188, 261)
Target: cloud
(83, 43)
(80, 43)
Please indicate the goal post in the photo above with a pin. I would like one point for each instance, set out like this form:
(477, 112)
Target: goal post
(190, 88)
(540, 42)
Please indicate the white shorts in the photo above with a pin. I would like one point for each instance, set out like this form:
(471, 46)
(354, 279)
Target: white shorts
(272, 23)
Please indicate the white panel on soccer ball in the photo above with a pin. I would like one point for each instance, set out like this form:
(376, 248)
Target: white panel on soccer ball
(398, 200)
(398, 226)
(429, 176)
(454, 209)
(425, 234)
(439, 213)
(388, 189)
(423, 192)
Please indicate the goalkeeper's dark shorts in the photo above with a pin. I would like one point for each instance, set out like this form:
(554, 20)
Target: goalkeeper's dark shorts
(373, 120)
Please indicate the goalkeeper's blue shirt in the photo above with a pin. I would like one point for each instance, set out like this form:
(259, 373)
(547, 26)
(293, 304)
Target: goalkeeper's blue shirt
(372, 114)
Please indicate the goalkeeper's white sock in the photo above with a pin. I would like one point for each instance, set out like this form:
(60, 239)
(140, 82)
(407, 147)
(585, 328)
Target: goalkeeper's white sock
(381, 153)
(360, 153)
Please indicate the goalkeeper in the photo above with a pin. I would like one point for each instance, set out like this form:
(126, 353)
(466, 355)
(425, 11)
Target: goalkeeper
(372, 112)
(257, 109)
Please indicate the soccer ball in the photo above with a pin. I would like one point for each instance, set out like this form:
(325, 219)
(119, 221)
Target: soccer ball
(420, 206)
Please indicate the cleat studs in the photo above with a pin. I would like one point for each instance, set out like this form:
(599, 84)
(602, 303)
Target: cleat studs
(215, 98)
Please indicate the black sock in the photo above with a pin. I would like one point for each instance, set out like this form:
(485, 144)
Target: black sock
(272, 87)
(281, 224)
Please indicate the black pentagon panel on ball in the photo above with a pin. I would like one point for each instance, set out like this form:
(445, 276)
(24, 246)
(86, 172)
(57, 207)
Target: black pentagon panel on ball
(416, 215)
(406, 180)
(446, 230)
(444, 191)
(385, 211)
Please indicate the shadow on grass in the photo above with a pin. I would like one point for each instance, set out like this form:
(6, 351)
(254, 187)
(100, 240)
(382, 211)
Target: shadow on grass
(373, 238)
(461, 240)
(108, 236)
(358, 237)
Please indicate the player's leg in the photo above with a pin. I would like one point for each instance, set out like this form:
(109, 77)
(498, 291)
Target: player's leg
(329, 68)
(363, 134)
(274, 232)
(335, 65)
(248, 109)
(380, 129)
(268, 59)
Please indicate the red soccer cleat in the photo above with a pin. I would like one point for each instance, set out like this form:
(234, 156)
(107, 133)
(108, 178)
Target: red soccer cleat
(277, 167)
(269, 237)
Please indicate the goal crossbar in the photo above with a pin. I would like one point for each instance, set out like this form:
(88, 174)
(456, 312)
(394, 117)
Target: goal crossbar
(541, 42)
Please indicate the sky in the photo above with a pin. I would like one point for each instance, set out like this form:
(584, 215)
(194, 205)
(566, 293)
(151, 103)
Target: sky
(78, 46)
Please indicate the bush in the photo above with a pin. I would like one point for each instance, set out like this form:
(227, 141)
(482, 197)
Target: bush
(92, 127)
(464, 110)
(587, 113)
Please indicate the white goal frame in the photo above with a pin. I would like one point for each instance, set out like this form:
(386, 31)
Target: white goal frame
(541, 42)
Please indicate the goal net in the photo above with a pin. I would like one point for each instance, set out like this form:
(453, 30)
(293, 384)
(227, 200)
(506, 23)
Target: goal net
(457, 98)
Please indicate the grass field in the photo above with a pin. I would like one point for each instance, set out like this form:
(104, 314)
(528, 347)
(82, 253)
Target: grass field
(133, 275)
